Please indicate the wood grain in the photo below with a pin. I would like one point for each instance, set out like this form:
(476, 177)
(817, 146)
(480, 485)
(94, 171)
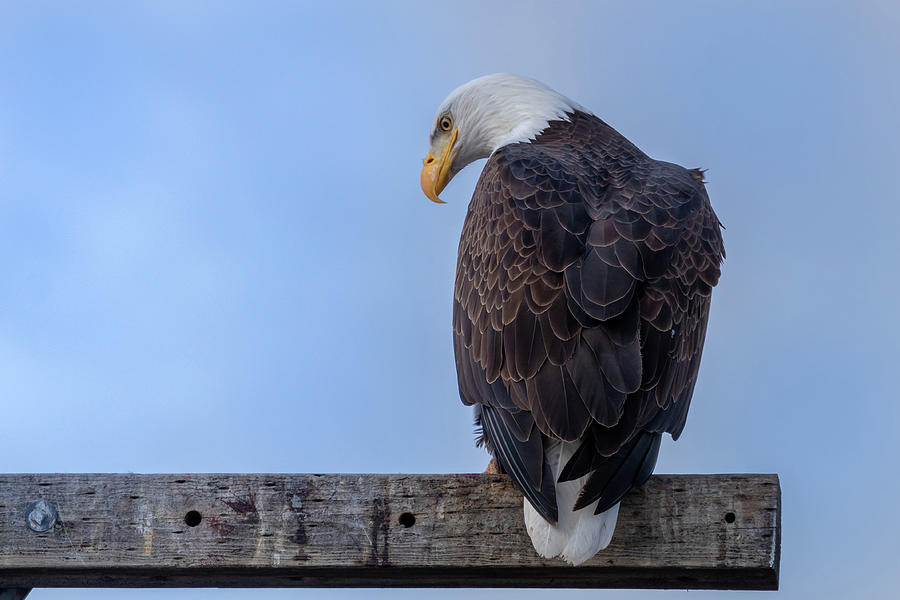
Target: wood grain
(308, 530)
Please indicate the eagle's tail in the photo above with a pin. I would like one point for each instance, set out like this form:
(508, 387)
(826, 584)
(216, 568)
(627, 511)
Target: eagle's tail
(578, 535)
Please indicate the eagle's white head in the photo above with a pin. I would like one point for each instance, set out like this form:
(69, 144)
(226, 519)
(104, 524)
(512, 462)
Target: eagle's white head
(485, 114)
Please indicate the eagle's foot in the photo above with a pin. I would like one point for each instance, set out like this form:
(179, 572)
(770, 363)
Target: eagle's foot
(494, 467)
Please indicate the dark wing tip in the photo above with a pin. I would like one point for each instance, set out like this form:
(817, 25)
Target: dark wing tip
(580, 463)
(508, 452)
(630, 467)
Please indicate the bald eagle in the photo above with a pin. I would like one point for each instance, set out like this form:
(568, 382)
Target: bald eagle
(582, 294)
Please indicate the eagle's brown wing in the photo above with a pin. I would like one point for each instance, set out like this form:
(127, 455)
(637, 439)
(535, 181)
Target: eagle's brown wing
(580, 306)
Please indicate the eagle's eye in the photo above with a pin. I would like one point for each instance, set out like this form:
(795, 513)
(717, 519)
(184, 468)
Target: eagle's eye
(446, 123)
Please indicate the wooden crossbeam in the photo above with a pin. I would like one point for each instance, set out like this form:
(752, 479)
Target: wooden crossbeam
(283, 530)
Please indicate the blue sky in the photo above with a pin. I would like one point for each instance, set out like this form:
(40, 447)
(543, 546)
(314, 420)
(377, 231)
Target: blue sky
(216, 256)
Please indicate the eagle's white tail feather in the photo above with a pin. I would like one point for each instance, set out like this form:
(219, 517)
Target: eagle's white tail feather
(578, 535)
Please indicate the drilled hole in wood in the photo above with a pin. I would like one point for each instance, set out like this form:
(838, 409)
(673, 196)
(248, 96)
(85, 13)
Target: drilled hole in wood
(729, 517)
(192, 518)
(407, 519)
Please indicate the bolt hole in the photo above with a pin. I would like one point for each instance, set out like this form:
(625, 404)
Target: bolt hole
(729, 517)
(192, 518)
(407, 519)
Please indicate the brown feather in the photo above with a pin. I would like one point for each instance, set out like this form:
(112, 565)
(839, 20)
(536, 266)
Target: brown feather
(580, 305)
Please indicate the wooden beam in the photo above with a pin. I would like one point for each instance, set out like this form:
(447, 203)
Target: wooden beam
(260, 530)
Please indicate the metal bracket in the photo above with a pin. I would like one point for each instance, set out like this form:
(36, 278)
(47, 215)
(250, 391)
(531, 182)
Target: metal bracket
(40, 516)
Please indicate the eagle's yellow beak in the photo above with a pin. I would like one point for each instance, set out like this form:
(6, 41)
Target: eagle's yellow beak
(436, 171)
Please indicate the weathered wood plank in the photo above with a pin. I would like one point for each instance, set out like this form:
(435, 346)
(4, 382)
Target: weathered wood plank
(277, 530)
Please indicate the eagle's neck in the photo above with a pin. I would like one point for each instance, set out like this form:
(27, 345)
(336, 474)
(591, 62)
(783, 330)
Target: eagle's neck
(498, 110)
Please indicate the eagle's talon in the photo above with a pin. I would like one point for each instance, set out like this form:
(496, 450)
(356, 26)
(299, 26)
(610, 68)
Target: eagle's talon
(494, 467)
